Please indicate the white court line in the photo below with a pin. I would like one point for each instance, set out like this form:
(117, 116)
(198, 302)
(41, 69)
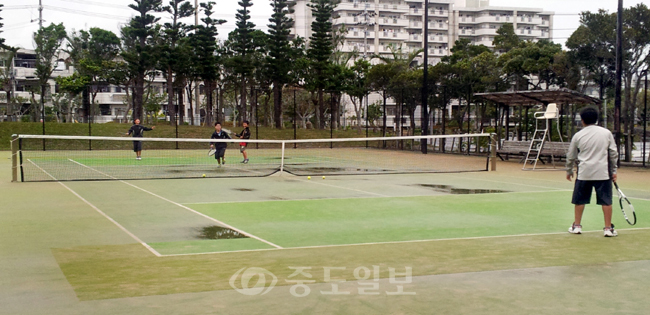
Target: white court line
(184, 207)
(399, 242)
(101, 212)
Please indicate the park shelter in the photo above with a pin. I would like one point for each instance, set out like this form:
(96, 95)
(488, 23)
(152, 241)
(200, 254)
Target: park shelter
(506, 102)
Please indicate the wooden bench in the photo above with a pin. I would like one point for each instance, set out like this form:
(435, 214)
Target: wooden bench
(520, 148)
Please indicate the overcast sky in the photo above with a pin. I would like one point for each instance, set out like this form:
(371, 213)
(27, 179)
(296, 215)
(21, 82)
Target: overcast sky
(20, 16)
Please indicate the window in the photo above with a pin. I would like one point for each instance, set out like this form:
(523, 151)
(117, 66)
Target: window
(105, 110)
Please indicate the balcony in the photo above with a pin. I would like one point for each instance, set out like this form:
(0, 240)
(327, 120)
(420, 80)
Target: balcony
(529, 20)
(386, 7)
(467, 20)
(438, 13)
(486, 31)
(360, 34)
(416, 25)
(347, 20)
(415, 11)
(354, 6)
(393, 22)
(529, 33)
(438, 39)
(438, 26)
(415, 38)
(467, 32)
(394, 36)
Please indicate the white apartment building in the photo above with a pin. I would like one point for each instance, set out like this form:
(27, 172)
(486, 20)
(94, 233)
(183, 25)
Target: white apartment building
(373, 26)
(110, 99)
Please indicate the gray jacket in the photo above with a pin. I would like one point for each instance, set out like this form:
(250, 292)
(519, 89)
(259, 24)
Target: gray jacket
(593, 150)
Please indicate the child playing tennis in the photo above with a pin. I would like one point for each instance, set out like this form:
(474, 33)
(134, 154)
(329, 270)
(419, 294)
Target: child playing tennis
(220, 147)
(245, 134)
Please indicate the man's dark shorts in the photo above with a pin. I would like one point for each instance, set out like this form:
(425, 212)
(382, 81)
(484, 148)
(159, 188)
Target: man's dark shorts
(583, 188)
(221, 152)
(137, 146)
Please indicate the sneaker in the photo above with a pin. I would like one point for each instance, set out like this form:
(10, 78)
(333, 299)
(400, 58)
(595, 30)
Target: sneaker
(246, 161)
(575, 229)
(610, 232)
(138, 158)
(223, 162)
(219, 165)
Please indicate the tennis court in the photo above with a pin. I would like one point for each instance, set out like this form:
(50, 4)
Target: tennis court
(474, 242)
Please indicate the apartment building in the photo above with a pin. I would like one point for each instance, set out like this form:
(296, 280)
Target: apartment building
(374, 27)
(110, 100)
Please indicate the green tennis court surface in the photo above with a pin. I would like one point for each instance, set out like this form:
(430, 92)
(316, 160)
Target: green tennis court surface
(477, 243)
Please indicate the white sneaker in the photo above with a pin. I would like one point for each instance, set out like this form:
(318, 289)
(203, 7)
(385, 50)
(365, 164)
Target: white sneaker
(610, 232)
(138, 158)
(575, 229)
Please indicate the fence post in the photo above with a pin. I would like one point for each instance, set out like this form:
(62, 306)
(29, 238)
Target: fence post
(282, 159)
(14, 158)
(493, 152)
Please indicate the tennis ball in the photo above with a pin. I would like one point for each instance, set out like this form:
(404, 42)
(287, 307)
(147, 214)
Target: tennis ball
(203, 175)
(323, 177)
(308, 177)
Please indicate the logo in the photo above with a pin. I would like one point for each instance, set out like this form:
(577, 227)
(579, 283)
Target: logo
(244, 277)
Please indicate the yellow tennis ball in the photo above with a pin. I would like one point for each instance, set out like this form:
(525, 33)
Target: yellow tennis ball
(308, 177)
(203, 175)
(323, 177)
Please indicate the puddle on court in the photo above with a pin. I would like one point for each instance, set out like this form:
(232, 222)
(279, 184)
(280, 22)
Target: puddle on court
(243, 189)
(461, 191)
(216, 232)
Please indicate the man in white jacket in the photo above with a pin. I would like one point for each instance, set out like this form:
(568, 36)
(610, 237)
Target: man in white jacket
(593, 151)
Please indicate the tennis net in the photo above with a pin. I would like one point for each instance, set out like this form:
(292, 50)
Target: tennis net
(68, 158)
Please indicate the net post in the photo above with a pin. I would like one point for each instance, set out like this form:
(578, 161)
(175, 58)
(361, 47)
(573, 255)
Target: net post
(14, 158)
(282, 159)
(493, 152)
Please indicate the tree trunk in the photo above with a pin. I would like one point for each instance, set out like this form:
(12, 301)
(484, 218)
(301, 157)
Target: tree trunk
(138, 96)
(277, 104)
(242, 104)
(171, 109)
(190, 101)
(181, 106)
(208, 104)
(319, 110)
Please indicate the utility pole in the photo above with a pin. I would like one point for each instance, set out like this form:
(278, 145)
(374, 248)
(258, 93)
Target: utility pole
(196, 87)
(425, 81)
(366, 23)
(619, 75)
(40, 13)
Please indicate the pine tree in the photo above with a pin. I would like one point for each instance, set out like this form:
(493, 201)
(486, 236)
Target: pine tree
(243, 47)
(321, 47)
(142, 58)
(278, 59)
(2, 40)
(204, 45)
(174, 31)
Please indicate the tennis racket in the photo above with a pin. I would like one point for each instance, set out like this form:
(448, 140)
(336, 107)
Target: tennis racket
(212, 151)
(626, 206)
